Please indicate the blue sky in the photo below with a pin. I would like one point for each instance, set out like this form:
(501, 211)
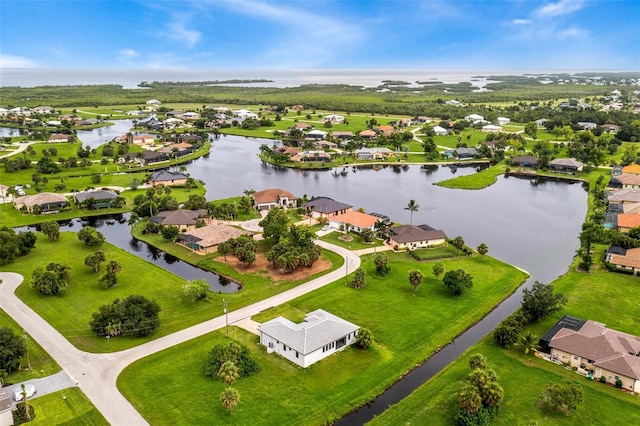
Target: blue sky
(308, 34)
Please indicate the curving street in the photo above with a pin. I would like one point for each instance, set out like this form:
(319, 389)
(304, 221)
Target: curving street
(96, 374)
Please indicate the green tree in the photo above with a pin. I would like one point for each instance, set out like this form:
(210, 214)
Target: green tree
(469, 398)
(540, 301)
(367, 235)
(364, 338)
(528, 342)
(195, 290)
(415, 279)
(275, 225)
(229, 398)
(507, 332)
(478, 361)
(224, 249)
(134, 316)
(233, 352)
(438, 269)
(94, 260)
(51, 230)
(228, 373)
(52, 280)
(359, 279)
(457, 281)
(12, 349)
(90, 236)
(381, 261)
(531, 129)
(458, 243)
(412, 207)
(170, 232)
(565, 396)
(483, 249)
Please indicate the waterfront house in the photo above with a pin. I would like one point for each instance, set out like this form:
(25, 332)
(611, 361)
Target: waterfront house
(466, 153)
(624, 259)
(623, 200)
(168, 178)
(628, 221)
(95, 199)
(58, 138)
(46, 202)
(142, 140)
(373, 153)
(185, 220)
(353, 221)
(570, 165)
(595, 350)
(320, 335)
(178, 150)
(311, 157)
(412, 237)
(205, 240)
(525, 161)
(625, 181)
(150, 157)
(274, 197)
(325, 207)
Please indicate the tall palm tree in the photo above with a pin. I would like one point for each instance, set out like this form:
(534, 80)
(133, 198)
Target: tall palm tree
(412, 207)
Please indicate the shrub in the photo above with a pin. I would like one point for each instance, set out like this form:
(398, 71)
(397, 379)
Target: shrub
(134, 316)
(195, 290)
(603, 379)
(233, 352)
(619, 383)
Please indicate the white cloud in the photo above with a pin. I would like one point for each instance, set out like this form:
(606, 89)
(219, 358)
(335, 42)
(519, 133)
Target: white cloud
(563, 7)
(127, 54)
(521, 22)
(178, 31)
(573, 32)
(13, 61)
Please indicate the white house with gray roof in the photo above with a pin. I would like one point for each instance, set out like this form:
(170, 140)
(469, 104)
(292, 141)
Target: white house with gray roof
(320, 334)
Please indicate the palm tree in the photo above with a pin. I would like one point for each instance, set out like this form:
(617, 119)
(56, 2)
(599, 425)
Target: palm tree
(412, 207)
(528, 342)
(469, 399)
(228, 373)
(483, 249)
(229, 399)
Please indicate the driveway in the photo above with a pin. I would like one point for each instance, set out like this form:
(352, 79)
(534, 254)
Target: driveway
(44, 386)
(96, 374)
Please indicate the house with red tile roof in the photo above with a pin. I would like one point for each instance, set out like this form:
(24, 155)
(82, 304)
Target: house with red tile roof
(353, 221)
(274, 197)
(628, 221)
(632, 168)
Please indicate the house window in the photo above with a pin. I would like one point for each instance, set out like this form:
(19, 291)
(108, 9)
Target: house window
(297, 354)
(575, 357)
(271, 345)
(617, 378)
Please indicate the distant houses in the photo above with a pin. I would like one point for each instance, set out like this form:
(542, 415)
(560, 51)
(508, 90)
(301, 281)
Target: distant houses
(373, 153)
(44, 202)
(274, 197)
(100, 199)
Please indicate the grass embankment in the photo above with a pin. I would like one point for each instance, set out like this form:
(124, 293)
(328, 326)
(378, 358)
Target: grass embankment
(407, 329)
(602, 296)
(70, 314)
(65, 407)
(480, 180)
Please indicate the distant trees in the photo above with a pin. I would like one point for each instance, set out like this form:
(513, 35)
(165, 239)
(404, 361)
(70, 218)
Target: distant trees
(12, 349)
(51, 280)
(134, 316)
(457, 281)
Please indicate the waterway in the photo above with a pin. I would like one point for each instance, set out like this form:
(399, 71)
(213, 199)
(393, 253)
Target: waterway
(532, 224)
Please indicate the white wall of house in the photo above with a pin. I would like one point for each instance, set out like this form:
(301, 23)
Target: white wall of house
(300, 359)
(418, 244)
(627, 382)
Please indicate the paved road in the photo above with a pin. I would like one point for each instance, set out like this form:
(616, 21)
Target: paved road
(96, 374)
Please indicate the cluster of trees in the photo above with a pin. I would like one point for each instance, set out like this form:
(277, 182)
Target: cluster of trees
(229, 363)
(110, 277)
(134, 316)
(14, 244)
(291, 246)
(244, 248)
(15, 163)
(480, 397)
(538, 302)
(564, 396)
(52, 279)
(154, 200)
(458, 281)
(195, 290)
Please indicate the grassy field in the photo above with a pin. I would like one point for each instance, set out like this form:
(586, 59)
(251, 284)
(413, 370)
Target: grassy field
(66, 407)
(71, 313)
(602, 296)
(284, 393)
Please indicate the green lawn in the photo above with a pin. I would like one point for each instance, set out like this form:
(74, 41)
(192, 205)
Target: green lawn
(407, 329)
(436, 253)
(602, 296)
(65, 407)
(71, 313)
(42, 364)
(355, 244)
(480, 180)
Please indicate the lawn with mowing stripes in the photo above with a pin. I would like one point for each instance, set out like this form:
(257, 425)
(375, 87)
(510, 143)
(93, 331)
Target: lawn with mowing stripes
(407, 329)
(66, 407)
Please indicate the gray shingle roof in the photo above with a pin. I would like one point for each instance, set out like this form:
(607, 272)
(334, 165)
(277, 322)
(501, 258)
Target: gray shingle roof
(319, 328)
(411, 233)
(102, 194)
(326, 205)
(165, 176)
